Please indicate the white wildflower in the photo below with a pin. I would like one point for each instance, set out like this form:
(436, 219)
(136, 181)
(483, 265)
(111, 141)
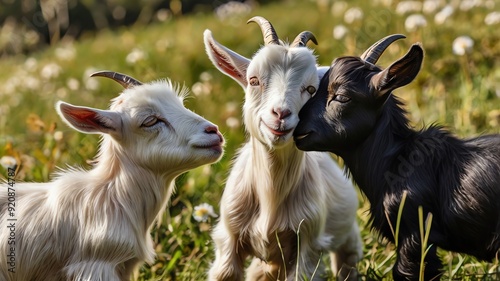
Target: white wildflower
(58, 135)
(203, 211)
(89, 71)
(462, 45)
(10, 86)
(231, 107)
(135, 56)
(414, 22)
(443, 15)
(431, 6)
(31, 38)
(62, 93)
(466, 5)
(163, 15)
(340, 31)
(232, 9)
(51, 70)
(492, 18)
(8, 162)
(232, 122)
(200, 89)
(90, 83)
(73, 84)
(338, 8)
(66, 53)
(405, 7)
(205, 76)
(30, 63)
(353, 14)
(31, 82)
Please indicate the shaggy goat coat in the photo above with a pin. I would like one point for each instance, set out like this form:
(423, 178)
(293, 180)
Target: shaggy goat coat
(355, 115)
(275, 193)
(95, 225)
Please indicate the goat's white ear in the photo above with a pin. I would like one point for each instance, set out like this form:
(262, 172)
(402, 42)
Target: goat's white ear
(400, 72)
(227, 61)
(90, 120)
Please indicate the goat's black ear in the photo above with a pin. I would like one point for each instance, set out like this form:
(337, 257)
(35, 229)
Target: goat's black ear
(399, 73)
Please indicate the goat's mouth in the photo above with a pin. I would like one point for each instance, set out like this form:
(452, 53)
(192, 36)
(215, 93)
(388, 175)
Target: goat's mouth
(279, 132)
(303, 136)
(214, 146)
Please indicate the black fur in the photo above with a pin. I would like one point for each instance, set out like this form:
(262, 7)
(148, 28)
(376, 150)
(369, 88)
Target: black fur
(456, 180)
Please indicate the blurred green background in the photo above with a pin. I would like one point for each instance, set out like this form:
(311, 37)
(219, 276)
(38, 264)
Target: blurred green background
(49, 48)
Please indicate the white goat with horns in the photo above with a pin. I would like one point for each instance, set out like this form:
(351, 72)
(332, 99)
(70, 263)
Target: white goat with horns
(95, 225)
(275, 191)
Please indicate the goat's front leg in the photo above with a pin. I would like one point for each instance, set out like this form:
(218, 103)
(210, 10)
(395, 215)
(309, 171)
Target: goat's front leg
(229, 256)
(345, 258)
(407, 265)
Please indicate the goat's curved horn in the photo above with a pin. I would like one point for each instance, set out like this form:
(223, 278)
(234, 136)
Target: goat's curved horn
(270, 36)
(373, 53)
(302, 39)
(124, 80)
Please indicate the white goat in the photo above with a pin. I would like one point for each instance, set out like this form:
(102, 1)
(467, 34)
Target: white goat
(274, 191)
(95, 225)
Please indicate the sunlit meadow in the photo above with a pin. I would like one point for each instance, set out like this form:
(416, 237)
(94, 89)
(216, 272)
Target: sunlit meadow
(459, 87)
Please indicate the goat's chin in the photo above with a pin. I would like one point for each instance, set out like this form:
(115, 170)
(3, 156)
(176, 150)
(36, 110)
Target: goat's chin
(209, 154)
(275, 141)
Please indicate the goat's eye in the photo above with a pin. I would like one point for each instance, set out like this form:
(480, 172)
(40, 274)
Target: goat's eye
(341, 98)
(254, 81)
(150, 121)
(311, 90)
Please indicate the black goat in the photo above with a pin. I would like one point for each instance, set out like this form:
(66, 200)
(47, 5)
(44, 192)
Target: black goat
(355, 116)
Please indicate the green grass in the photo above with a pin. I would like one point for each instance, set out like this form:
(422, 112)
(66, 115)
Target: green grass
(462, 92)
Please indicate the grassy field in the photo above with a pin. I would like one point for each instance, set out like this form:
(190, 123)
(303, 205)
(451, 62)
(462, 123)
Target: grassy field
(459, 91)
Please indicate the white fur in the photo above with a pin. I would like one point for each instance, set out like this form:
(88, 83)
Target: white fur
(273, 186)
(95, 225)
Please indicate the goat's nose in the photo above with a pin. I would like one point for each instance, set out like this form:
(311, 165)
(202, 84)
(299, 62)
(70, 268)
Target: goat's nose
(211, 129)
(281, 113)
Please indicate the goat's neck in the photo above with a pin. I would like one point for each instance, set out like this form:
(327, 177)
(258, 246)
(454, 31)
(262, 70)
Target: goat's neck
(134, 187)
(369, 162)
(277, 171)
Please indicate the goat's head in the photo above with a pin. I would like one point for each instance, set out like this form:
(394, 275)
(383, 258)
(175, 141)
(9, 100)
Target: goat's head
(149, 125)
(351, 97)
(278, 81)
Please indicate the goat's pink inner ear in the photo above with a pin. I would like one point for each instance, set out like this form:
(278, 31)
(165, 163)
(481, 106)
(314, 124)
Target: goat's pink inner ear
(227, 61)
(88, 117)
(79, 114)
(90, 120)
(223, 63)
